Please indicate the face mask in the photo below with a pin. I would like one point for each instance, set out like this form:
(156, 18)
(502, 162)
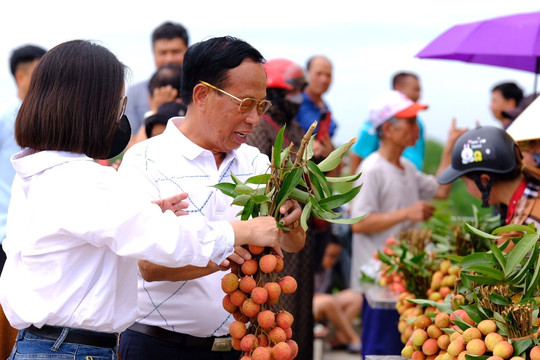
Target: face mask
(121, 137)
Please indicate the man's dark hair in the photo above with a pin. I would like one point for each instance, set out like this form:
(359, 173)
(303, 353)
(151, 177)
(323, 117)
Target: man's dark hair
(169, 74)
(210, 60)
(73, 101)
(399, 77)
(509, 90)
(24, 54)
(169, 30)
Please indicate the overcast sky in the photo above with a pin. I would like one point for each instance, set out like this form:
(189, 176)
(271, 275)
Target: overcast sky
(368, 41)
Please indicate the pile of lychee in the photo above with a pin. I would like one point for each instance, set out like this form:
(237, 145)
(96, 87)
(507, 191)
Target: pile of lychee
(262, 327)
(430, 342)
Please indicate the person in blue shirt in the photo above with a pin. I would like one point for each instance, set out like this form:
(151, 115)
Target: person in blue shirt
(23, 60)
(314, 108)
(367, 142)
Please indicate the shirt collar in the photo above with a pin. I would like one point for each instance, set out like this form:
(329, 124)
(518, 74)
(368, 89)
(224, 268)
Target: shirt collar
(28, 162)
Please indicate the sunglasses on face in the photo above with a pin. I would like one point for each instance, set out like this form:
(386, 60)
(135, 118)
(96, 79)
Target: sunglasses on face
(247, 104)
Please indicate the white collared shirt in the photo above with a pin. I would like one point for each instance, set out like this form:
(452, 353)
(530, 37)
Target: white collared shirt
(75, 232)
(168, 164)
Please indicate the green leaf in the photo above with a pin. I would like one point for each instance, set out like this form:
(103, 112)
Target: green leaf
(235, 179)
(454, 258)
(486, 259)
(443, 307)
(241, 200)
(346, 221)
(243, 189)
(487, 271)
(306, 212)
(343, 179)
(247, 211)
(308, 154)
(336, 201)
(531, 287)
(320, 178)
(289, 183)
(334, 159)
(277, 147)
(384, 258)
(285, 153)
(299, 195)
(520, 250)
(498, 299)
(226, 188)
(501, 324)
(518, 276)
(259, 199)
(259, 179)
(480, 233)
(498, 255)
(520, 346)
(480, 279)
(512, 228)
(476, 357)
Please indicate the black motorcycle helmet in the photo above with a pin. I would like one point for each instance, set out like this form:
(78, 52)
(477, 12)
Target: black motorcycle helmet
(485, 149)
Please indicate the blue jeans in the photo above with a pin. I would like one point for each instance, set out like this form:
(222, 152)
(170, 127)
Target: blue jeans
(32, 347)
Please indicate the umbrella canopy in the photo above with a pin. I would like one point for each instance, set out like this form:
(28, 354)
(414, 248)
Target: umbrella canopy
(527, 125)
(509, 41)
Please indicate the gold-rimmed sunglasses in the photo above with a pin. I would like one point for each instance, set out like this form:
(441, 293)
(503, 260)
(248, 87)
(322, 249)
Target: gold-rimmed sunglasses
(247, 104)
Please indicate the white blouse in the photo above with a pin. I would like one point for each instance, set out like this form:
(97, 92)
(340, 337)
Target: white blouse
(75, 232)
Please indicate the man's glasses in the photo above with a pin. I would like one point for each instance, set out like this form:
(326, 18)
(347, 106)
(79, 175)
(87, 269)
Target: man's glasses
(247, 104)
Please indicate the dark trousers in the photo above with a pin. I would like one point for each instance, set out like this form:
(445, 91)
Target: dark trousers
(380, 335)
(137, 346)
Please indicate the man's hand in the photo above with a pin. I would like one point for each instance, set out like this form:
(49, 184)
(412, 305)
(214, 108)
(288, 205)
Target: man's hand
(420, 211)
(174, 203)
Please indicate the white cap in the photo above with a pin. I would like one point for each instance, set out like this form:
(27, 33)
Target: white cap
(389, 104)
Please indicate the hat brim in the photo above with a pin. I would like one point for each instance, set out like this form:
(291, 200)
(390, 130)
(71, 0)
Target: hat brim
(448, 175)
(411, 111)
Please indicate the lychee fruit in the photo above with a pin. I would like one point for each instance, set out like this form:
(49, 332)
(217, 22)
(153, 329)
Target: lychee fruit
(294, 348)
(288, 284)
(492, 339)
(268, 263)
(430, 347)
(266, 319)
(279, 265)
(422, 321)
(237, 329)
(263, 339)
(250, 308)
(248, 342)
(259, 295)
(476, 347)
(418, 355)
(487, 326)
(471, 334)
(535, 353)
(277, 334)
(237, 297)
(249, 267)
(261, 353)
(442, 320)
(228, 305)
(274, 290)
(238, 316)
(407, 351)
(256, 250)
(419, 336)
(284, 319)
(456, 347)
(247, 284)
(443, 341)
(281, 351)
(434, 332)
(229, 283)
(503, 349)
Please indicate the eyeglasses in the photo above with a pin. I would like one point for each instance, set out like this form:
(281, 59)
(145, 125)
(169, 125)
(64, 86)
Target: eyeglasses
(247, 104)
(123, 103)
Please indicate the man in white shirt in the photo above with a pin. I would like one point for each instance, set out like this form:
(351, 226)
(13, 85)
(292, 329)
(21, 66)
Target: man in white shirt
(224, 87)
(394, 197)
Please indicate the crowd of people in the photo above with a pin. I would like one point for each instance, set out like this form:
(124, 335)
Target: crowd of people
(127, 259)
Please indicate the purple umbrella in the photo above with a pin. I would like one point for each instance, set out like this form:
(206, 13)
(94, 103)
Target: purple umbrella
(509, 41)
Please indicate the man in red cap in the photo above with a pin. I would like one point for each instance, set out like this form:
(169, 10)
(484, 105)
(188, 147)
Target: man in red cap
(394, 197)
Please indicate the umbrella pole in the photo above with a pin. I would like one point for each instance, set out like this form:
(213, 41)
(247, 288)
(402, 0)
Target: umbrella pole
(536, 75)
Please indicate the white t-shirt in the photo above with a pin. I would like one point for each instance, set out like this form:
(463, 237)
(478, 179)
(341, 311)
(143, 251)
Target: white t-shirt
(75, 231)
(168, 164)
(385, 188)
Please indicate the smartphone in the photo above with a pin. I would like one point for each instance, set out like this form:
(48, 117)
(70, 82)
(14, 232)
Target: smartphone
(324, 126)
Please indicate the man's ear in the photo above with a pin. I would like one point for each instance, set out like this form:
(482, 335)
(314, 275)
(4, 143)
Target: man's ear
(484, 179)
(200, 95)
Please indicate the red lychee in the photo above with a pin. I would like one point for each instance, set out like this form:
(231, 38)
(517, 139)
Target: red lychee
(228, 305)
(281, 351)
(249, 267)
(237, 329)
(288, 284)
(277, 334)
(250, 308)
(280, 264)
(266, 319)
(238, 297)
(268, 263)
(248, 342)
(274, 290)
(256, 250)
(229, 283)
(247, 284)
(259, 295)
(284, 319)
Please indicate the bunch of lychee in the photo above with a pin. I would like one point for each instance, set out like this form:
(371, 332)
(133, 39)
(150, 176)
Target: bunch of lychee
(429, 342)
(262, 327)
(443, 281)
